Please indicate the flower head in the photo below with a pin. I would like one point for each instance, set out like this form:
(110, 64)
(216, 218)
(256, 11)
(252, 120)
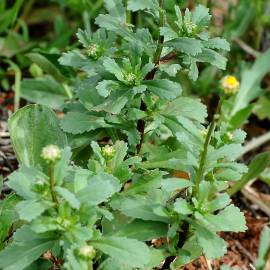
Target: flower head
(51, 153)
(87, 252)
(130, 78)
(230, 85)
(93, 51)
(108, 151)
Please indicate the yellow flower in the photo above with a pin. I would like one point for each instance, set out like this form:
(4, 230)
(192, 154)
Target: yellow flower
(230, 85)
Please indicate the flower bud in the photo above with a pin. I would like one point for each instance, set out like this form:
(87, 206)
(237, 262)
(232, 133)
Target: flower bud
(87, 252)
(108, 151)
(51, 153)
(130, 78)
(230, 85)
(93, 51)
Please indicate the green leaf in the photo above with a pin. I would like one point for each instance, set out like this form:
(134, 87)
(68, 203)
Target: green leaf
(116, 25)
(164, 88)
(175, 184)
(45, 64)
(127, 251)
(19, 255)
(78, 123)
(187, 107)
(217, 43)
(213, 246)
(99, 189)
(186, 45)
(115, 102)
(112, 67)
(143, 230)
(201, 16)
(138, 207)
(256, 167)
(250, 83)
(68, 196)
(188, 253)
(32, 128)
(264, 249)
(182, 207)
(240, 117)
(30, 209)
(212, 57)
(135, 5)
(262, 108)
(228, 220)
(45, 91)
(8, 216)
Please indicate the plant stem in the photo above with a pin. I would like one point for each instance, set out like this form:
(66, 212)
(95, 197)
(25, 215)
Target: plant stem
(52, 183)
(160, 37)
(17, 84)
(128, 13)
(151, 74)
(26, 11)
(211, 129)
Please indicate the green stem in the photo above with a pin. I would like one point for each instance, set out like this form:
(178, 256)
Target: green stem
(52, 183)
(211, 129)
(160, 37)
(128, 13)
(17, 84)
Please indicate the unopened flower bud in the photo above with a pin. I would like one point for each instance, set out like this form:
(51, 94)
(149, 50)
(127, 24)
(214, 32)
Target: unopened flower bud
(93, 51)
(51, 153)
(87, 252)
(230, 85)
(229, 136)
(130, 78)
(108, 151)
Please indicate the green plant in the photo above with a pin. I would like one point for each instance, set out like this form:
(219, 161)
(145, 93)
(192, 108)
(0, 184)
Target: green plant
(100, 192)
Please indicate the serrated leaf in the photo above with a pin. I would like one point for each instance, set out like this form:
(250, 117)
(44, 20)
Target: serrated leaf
(213, 246)
(187, 107)
(143, 230)
(212, 57)
(30, 209)
(228, 220)
(19, 255)
(137, 207)
(69, 197)
(217, 43)
(112, 67)
(164, 88)
(77, 123)
(186, 45)
(201, 16)
(135, 5)
(182, 207)
(113, 24)
(99, 189)
(175, 184)
(128, 251)
(189, 252)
